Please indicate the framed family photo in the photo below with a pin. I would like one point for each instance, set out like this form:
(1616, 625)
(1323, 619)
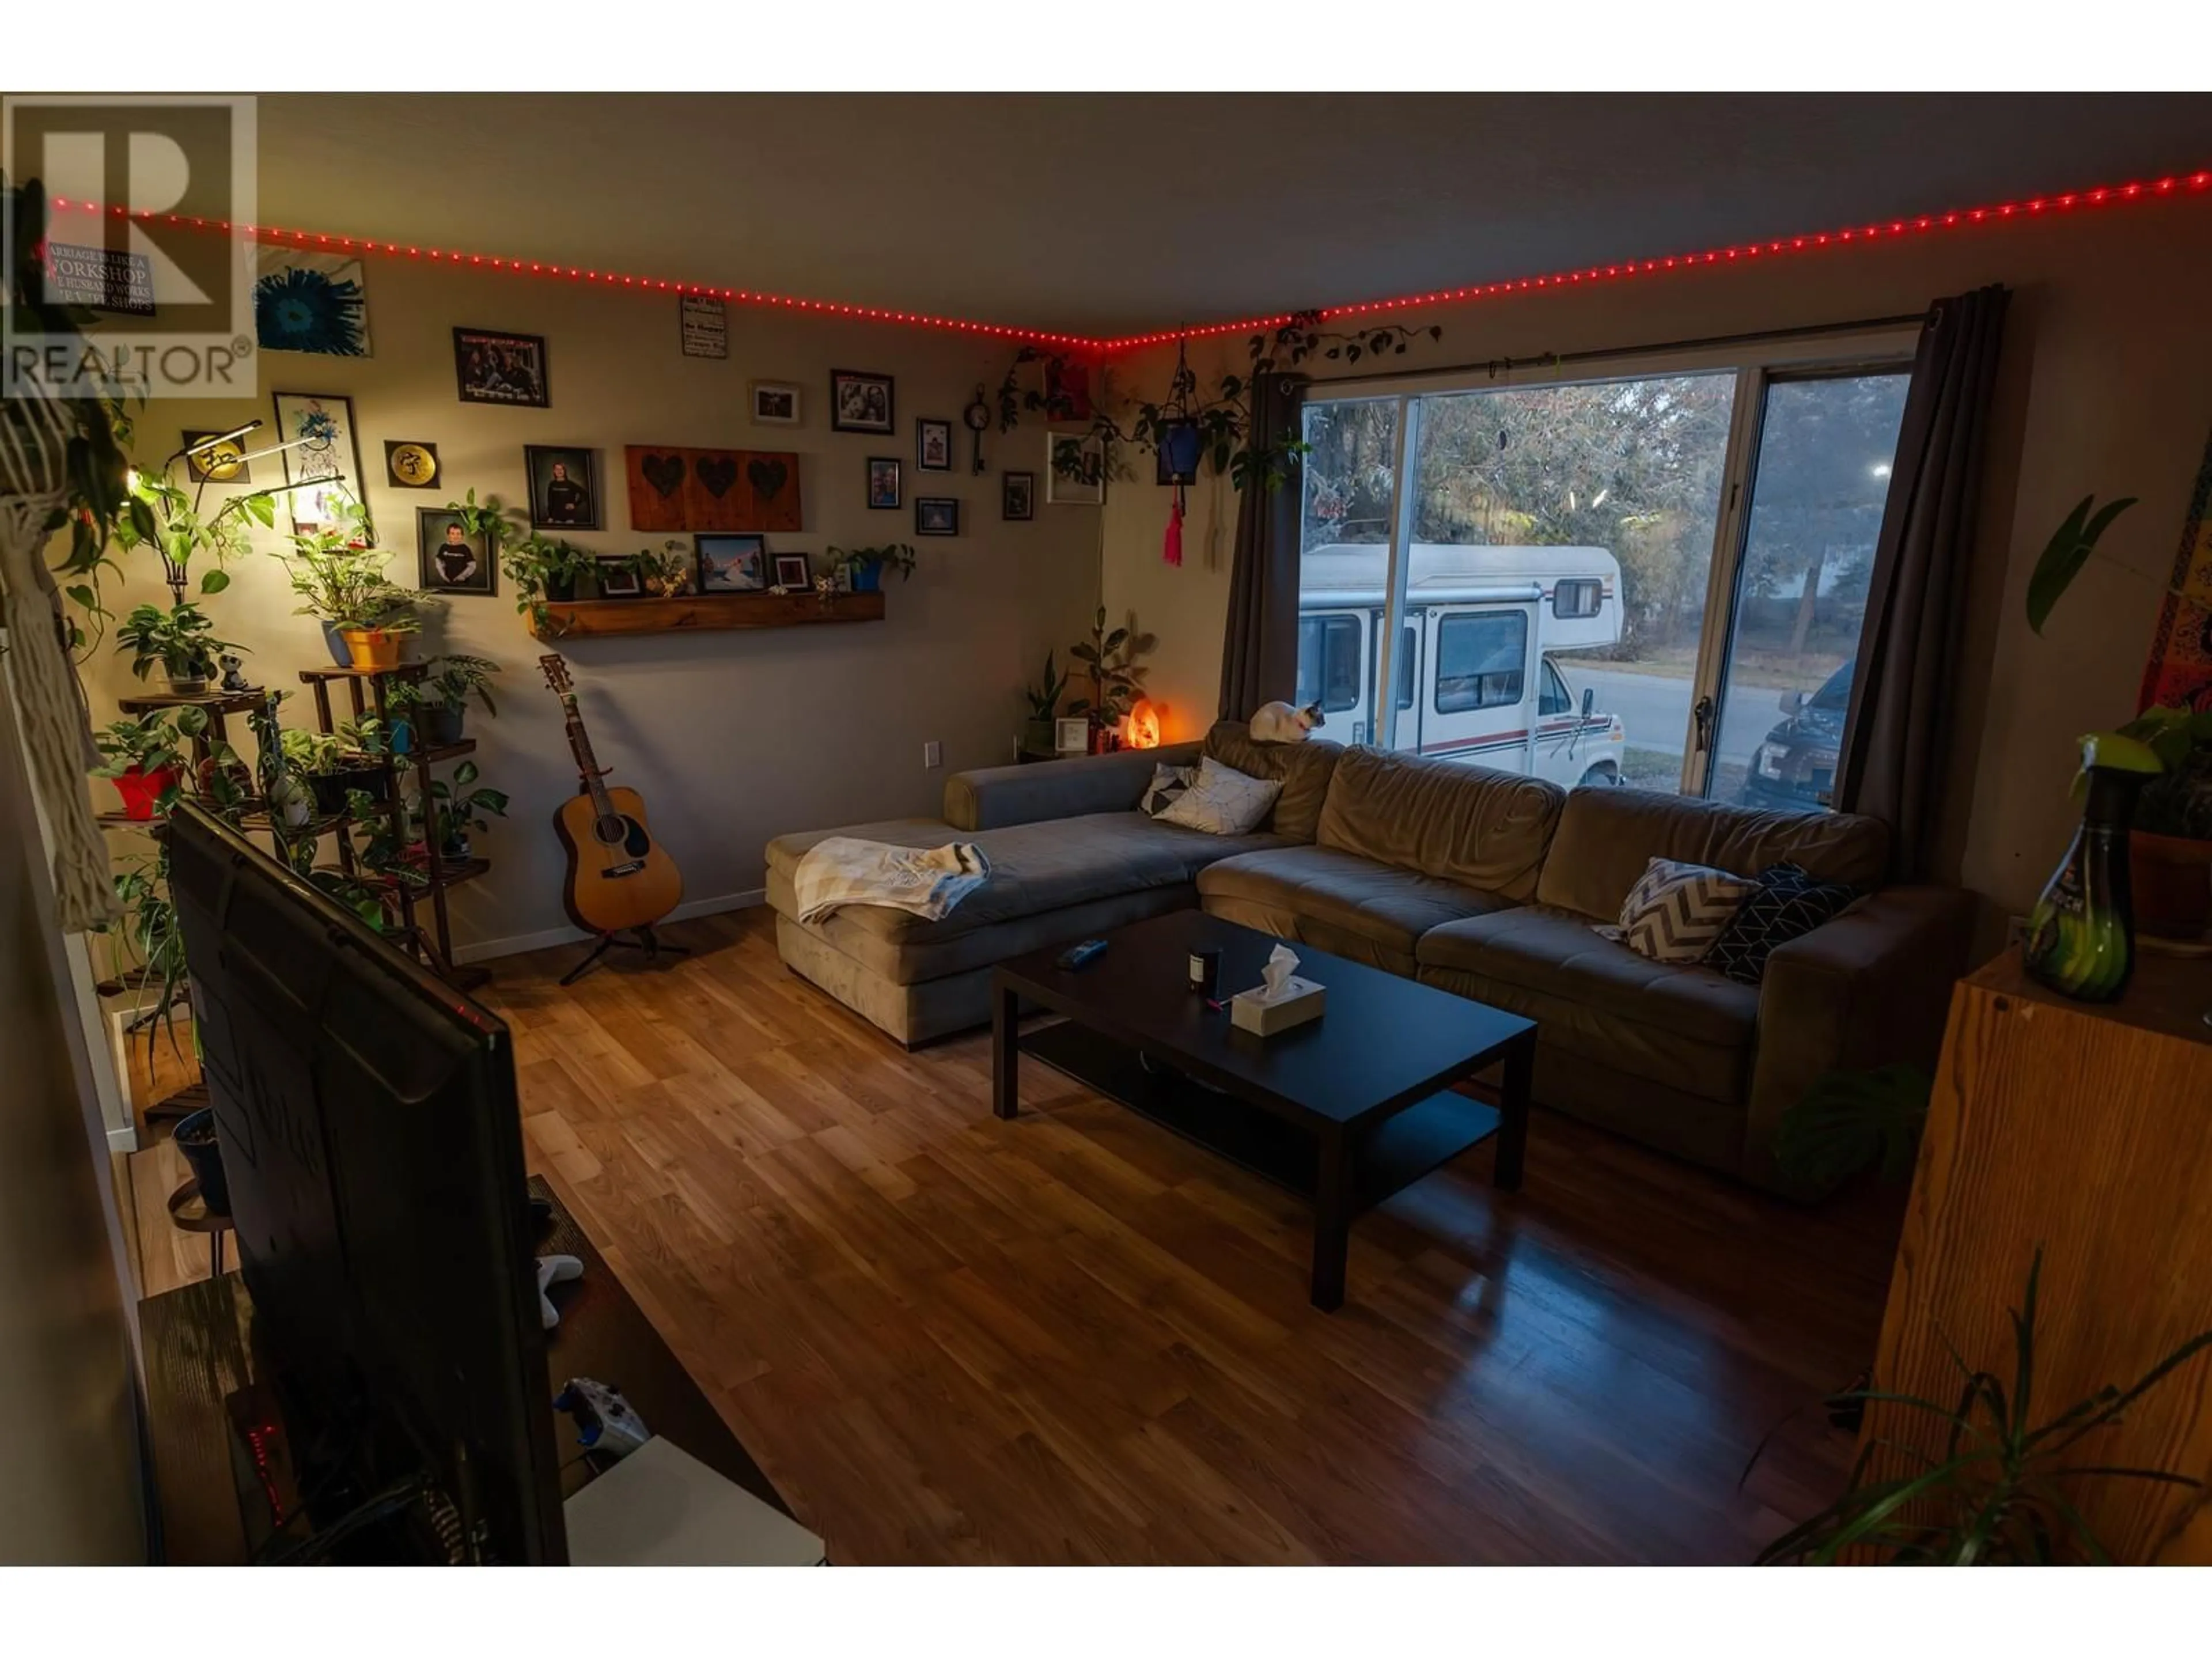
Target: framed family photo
(932, 446)
(564, 487)
(775, 402)
(501, 369)
(884, 492)
(936, 515)
(860, 401)
(1017, 496)
(732, 564)
(450, 561)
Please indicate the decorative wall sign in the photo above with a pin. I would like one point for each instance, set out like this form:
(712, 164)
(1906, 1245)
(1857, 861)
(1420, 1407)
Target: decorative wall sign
(222, 463)
(564, 487)
(719, 490)
(860, 401)
(936, 515)
(775, 402)
(411, 465)
(100, 279)
(706, 326)
(501, 369)
(883, 493)
(448, 559)
(315, 302)
(1017, 496)
(1075, 469)
(326, 463)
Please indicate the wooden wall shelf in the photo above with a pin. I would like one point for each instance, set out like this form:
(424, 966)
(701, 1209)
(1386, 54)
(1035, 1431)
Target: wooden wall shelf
(697, 613)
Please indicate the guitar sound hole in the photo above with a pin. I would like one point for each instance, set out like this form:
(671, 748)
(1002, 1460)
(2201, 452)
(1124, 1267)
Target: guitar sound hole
(611, 829)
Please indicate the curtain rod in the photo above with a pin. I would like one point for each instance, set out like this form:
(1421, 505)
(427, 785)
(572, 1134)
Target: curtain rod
(1560, 360)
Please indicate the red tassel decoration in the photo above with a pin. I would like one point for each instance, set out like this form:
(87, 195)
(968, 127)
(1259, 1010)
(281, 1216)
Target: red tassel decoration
(1171, 549)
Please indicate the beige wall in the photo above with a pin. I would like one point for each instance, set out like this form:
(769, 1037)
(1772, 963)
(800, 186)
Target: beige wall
(69, 1487)
(2106, 387)
(733, 738)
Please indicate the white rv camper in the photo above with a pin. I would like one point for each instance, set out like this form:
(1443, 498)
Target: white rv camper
(1473, 668)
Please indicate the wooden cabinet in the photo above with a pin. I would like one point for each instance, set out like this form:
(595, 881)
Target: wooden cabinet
(2088, 1131)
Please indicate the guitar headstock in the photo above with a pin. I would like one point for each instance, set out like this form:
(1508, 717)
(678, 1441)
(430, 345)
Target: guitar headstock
(556, 673)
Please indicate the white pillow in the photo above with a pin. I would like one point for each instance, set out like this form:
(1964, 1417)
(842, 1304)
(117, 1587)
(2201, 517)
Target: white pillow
(1224, 801)
(1166, 787)
(1677, 912)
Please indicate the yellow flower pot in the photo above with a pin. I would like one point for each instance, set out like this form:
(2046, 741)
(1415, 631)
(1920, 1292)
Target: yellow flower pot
(373, 648)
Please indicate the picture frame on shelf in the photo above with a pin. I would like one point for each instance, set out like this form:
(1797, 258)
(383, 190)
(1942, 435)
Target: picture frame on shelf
(862, 402)
(792, 573)
(885, 492)
(448, 560)
(1075, 469)
(411, 464)
(494, 368)
(323, 459)
(617, 580)
(933, 444)
(1072, 735)
(776, 403)
(564, 487)
(1017, 496)
(936, 515)
(732, 564)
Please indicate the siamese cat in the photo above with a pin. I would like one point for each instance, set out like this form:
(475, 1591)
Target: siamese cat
(1279, 722)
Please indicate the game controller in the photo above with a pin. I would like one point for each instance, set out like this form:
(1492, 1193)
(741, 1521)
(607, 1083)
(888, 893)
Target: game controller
(554, 1270)
(605, 1422)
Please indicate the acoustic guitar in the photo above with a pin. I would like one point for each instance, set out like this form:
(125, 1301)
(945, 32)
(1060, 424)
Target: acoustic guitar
(620, 879)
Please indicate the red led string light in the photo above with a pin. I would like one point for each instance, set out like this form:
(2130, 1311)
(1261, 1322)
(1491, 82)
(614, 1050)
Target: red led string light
(1900, 229)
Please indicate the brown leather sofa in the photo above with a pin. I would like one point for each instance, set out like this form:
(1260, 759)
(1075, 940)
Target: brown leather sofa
(1483, 883)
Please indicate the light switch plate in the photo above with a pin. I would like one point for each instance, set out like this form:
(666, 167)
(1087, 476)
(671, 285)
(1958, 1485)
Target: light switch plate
(933, 754)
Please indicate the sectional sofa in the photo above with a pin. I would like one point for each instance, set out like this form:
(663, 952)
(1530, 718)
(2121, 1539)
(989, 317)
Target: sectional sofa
(1483, 883)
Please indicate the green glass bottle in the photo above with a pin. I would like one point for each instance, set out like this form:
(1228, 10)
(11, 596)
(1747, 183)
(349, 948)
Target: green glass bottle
(2082, 937)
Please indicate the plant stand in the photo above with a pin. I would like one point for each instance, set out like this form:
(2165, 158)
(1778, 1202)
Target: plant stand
(366, 689)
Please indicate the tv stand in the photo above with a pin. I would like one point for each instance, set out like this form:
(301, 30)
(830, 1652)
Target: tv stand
(199, 1354)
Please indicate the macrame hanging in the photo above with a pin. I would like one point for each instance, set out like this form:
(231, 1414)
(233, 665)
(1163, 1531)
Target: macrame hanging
(1179, 446)
(34, 436)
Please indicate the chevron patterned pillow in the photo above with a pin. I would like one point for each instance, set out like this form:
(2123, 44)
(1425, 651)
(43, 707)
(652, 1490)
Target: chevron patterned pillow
(1676, 912)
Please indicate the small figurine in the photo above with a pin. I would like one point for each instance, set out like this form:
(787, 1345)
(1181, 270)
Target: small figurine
(234, 676)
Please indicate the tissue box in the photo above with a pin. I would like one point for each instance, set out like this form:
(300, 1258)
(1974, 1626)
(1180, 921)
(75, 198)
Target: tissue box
(1302, 1000)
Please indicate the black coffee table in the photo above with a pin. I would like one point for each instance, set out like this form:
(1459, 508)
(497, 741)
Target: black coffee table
(1344, 1110)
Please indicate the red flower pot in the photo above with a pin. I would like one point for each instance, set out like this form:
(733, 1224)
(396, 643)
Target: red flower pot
(141, 790)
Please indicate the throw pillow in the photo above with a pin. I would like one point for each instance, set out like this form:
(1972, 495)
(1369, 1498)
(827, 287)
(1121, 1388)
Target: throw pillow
(1167, 787)
(1788, 903)
(1223, 801)
(1676, 912)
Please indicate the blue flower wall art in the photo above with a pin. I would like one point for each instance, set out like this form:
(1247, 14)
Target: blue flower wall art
(311, 302)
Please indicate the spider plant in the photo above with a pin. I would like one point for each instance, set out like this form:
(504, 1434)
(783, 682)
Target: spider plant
(1998, 1495)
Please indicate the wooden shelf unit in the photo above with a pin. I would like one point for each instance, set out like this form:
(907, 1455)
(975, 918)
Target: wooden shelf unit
(700, 613)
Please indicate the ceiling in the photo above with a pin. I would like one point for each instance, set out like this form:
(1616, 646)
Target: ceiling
(1106, 214)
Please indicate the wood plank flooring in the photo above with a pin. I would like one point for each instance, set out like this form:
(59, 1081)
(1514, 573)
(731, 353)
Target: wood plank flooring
(1074, 1338)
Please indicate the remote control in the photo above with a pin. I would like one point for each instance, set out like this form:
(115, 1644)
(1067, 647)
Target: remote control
(1083, 955)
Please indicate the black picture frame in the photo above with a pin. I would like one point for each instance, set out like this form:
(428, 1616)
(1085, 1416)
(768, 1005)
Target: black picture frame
(882, 499)
(321, 458)
(1017, 496)
(936, 515)
(491, 367)
(439, 570)
(723, 559)
(581, 469)
(926, 430)
(852, 407)
(792, 572)
(618, 581)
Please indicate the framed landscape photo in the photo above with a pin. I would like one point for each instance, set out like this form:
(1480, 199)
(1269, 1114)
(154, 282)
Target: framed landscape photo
(323, 459)
(884, 483)
(775, 402)
(860, 401)
(564, 487)
(936, 515)
(932, 446)
(501, 369)
(450, 561)
(1017, 496)
(732, 564)
(792, 573)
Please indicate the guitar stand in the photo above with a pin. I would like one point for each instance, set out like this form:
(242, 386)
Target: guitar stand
(646, 941)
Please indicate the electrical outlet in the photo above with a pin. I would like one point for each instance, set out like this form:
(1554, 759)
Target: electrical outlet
(933, 754)
(2015, 932)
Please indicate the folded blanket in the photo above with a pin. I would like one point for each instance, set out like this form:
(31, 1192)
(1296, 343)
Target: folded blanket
(926, 880)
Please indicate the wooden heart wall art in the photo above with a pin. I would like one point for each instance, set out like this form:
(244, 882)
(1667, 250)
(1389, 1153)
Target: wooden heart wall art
(713, 490)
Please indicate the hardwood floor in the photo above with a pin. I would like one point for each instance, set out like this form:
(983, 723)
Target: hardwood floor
(1074, 1338)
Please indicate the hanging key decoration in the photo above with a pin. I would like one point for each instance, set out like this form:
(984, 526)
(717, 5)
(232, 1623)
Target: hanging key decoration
(978, 417)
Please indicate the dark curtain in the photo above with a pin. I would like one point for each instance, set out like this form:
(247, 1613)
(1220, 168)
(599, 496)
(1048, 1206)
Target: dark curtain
(1894, 738)
(1259, 652)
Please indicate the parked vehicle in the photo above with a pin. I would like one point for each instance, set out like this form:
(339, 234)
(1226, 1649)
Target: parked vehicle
(1795, 769)
(1475, 668)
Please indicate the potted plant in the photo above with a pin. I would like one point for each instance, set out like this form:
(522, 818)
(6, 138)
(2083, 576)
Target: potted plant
(181, 639)
(171, 522)
(665, 572)
(2170, 843)
(544, 571)
(864, 566)
(1043, 698)
(339, 763)
(196, 1138)
(144, 762)
(436, 704)
(455, 808)
(151, 937)
(339, 576)
(1109, 657)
